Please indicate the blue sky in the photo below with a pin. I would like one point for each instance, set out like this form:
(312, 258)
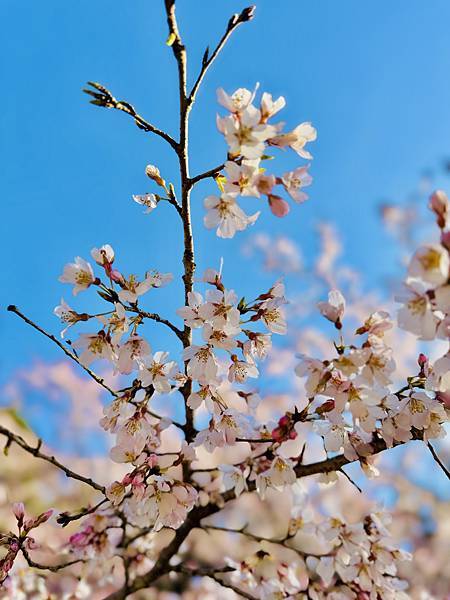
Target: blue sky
(372, 77)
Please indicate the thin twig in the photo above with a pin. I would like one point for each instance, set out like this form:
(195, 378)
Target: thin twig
(438, 460)
(52, 568)
(17, 439)
(232, 587)
(347, 476)
(260, 538)
(158, 319)
(103, 97)
(64, 518)
(201, 571)
(233, 23)
(211, 173)
(68, 353)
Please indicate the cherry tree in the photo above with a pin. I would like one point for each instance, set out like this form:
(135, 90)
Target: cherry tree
(216, 499)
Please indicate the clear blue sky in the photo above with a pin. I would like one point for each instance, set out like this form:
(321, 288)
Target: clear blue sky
(373, 77)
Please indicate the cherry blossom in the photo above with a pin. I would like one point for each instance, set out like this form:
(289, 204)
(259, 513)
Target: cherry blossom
(148, 200)
(157, 371)
(333, 310)
(79, 273)
(294, 181)
(224, 213)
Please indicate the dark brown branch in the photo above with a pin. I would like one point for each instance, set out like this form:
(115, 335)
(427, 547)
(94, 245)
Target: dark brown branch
(260, 538)
(201, 571)
(17, 439)
(438, 460)
(162, 565)
(179, 52)
(64, 518)
(68, 353)
(234, 22)
(232, 587)
(103, 97)
(211, 173)
(52, 568)
(158, 319)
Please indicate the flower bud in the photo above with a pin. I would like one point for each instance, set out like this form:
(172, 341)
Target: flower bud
(153, 173)
(19, 512)
(278, 206)
(439, 204)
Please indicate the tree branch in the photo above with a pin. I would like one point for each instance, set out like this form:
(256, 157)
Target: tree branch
(52, 568)
(179, 53)
(64, 518)
(211, 173)
(103, 97)
(71, 355)
(17, 439)
(158, 319)
(234, 22)
(232, 587)
(438, 460)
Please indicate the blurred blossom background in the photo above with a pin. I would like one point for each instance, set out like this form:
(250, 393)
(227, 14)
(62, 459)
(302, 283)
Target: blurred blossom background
(373, 79)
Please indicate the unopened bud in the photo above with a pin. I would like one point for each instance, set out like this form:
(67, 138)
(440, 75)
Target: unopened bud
(247, 14)
(153, 173)
(439, 204)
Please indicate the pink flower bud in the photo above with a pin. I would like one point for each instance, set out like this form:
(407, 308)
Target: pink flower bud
(293, 434)
(284, 421)
(277, 434)
(422, 360)
(278, 206)
(116, 276)
(439, 204)
(18, 510)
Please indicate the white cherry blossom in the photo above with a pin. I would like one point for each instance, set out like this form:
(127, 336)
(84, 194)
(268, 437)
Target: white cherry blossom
(431, 263)
(157, 371)
(79, 273)
(226, 215)
(295, 181)
(148, 200)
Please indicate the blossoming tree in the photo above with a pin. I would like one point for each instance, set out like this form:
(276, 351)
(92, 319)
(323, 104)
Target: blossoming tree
(198, 490)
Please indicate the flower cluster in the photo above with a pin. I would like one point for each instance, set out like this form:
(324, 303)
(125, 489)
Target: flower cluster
(351, 398)
(123, 293)
(230, 346)
(22, 541)
(249, 134)
(426, 295)
(355, 561)
(163, 485)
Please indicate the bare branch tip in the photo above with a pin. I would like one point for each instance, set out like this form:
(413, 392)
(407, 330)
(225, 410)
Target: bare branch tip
(247, 14)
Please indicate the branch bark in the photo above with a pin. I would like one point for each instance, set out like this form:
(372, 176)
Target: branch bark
(67, 352)
(36, 451)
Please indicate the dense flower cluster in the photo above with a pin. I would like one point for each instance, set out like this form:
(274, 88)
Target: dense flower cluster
(354, 561)
(350, 402)
(249, 135)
